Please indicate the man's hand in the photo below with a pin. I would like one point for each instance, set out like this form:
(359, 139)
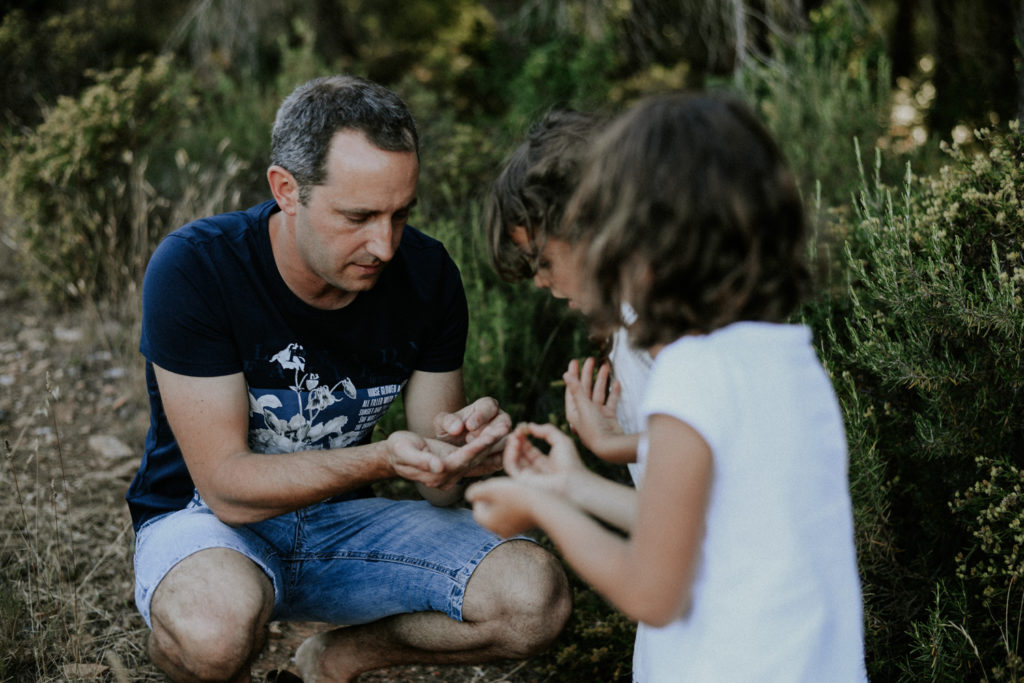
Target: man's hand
(419, 459)
(483, 418)
(478, 430)
(440, 464)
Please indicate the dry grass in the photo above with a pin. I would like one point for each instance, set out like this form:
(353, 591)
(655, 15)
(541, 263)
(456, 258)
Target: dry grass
(70, 433)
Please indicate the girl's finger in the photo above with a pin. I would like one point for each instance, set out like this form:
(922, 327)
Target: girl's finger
(548, 432)
(600, 392)
(515, 456)
(571, 376)
(587, 375)
(613, 396)
(571, 410)
(510, 456)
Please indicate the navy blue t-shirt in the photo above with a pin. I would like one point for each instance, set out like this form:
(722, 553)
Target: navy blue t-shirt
(214, 303)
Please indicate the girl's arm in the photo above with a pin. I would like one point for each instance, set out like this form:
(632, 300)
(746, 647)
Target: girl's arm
(670, 523)
(648, 575)
(563, 473)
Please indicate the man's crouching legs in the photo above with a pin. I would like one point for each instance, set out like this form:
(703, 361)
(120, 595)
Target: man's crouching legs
(516, 603)
(519, 592)
(209, 617)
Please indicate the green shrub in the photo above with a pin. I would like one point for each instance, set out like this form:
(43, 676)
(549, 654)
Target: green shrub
(819, 91)
(48, 48)
(76, 182)
(571, 70)
(597, 643)
(993, 510)
(926, 349)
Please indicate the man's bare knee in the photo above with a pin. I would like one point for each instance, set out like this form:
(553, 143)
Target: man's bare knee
(209, 615)
(525, 589)
(205, 651)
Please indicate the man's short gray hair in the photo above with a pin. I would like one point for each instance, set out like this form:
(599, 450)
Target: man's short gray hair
(308, 119)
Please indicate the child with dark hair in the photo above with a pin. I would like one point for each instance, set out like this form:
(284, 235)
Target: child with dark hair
(739, 560)
(528, 239)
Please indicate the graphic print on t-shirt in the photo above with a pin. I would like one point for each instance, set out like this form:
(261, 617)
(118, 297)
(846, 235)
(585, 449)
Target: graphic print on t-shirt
(309, 414)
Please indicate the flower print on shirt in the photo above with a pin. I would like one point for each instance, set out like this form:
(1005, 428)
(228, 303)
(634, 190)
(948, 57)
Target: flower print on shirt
(289, 357)
(294, 409)
(305, 427)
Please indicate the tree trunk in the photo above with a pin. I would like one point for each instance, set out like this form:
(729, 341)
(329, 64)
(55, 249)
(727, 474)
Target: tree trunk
(975, 51)
(1019, 41)
(902, 44)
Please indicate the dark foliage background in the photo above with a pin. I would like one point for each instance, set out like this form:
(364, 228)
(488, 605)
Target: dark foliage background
(122, 119)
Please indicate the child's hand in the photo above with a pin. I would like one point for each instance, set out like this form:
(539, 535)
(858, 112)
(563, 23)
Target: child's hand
(527, 463)
(589, 404)
(502, 505)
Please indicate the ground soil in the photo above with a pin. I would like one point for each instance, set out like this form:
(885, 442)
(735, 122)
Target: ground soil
(73, 417)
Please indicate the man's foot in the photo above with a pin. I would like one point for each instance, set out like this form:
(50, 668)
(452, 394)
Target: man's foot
(307, 657)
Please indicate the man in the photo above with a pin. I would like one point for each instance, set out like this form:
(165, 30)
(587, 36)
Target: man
(275, 338)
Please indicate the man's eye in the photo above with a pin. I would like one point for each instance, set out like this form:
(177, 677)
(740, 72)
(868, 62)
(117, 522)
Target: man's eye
(543, 264)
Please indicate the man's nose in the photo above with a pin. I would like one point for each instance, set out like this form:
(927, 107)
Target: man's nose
(381, 242)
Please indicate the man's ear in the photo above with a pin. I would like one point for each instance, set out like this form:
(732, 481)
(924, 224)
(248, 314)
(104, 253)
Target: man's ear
(284, 188)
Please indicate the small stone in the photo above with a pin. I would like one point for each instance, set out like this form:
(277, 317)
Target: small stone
(68, 334)
(109, 446)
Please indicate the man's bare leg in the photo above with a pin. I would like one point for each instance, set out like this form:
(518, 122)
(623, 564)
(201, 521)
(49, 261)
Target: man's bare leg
(209, 617)
(516, 603)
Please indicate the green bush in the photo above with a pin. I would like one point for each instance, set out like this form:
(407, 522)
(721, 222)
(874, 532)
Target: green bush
(48, 48)
(926, 350)
(76, 184)
(819, 91)
(571, 70)
(597, 643)
(992, 568)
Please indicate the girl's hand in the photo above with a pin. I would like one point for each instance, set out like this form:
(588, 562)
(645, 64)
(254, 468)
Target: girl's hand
(553, 471)
(502, 505)
(590, 406)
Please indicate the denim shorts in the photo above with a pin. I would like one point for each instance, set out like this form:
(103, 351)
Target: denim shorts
(345, 562)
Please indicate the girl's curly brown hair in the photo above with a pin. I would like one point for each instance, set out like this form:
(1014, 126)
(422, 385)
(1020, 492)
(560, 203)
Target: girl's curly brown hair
(696, 219)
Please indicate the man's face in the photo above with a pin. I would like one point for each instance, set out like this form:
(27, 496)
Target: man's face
(558, 266)
(351, 225)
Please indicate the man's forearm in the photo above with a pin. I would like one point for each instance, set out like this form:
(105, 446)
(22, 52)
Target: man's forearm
(250, 487)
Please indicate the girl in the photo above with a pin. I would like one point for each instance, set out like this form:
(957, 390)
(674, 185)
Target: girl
(739, 560)
(528, 239)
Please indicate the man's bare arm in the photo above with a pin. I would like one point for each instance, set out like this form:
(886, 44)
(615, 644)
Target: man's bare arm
(210, 420)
